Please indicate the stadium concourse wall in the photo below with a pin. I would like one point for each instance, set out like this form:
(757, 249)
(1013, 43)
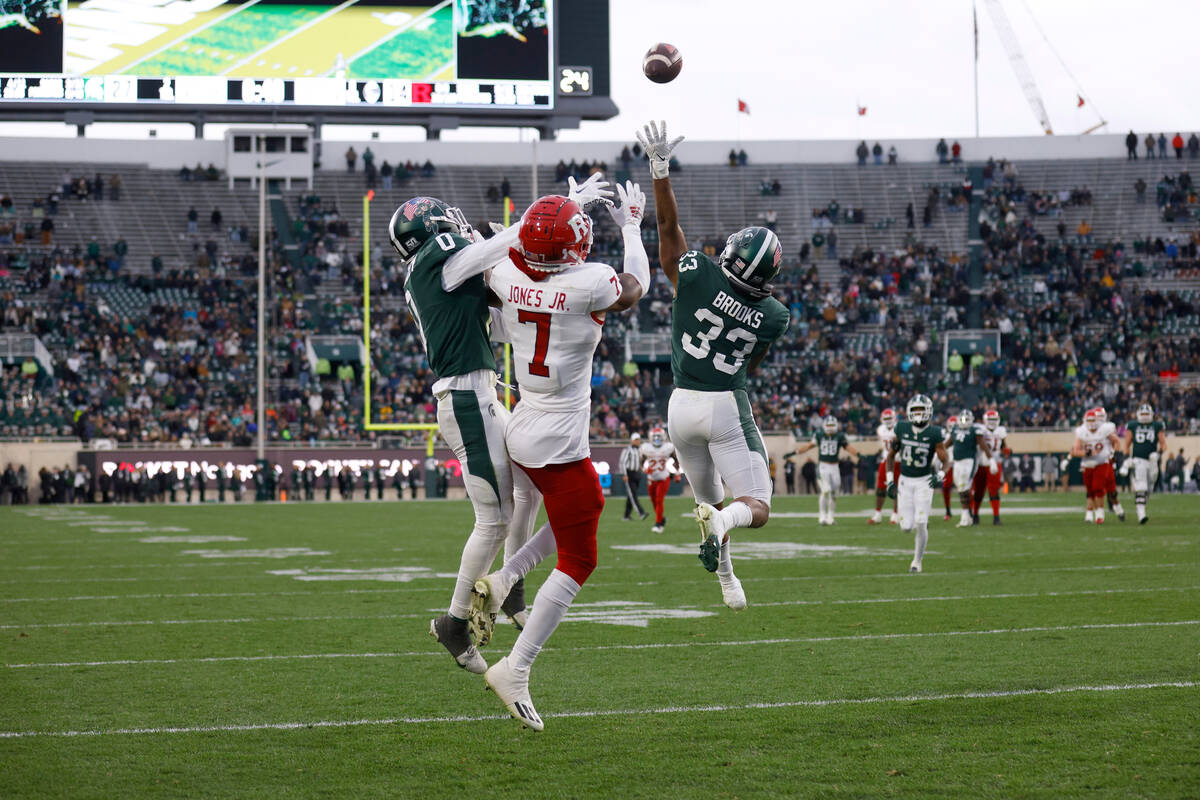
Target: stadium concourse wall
(35, 455)
(173, 153)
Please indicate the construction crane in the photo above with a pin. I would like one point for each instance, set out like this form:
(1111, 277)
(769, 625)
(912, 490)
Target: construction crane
(1008, 38)
(1016, 57)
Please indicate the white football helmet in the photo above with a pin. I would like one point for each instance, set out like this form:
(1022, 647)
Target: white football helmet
(657, 436)
(1101, 414)
(919, 411)
(829, 425)
(1145, 413)
(991, 419)
(965, 418)
(1091, 420)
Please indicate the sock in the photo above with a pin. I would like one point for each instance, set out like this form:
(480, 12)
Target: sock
(832, 505)
(477, 557)
(995, 506)
(821, 504)
(526, 502)
(922, 537)
(736, 515)
(725, 564)
(549, 607)
(1139, 502)
(1100, 513)
(1117, 509)
(539, 547)
(1089, 516)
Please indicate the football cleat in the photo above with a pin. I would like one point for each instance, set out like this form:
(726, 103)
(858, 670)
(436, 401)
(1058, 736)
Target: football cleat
(733, 595)
(514, 605)
(996, 521)
(1121, 516)
(914, 568)
(453, 636)
(947, 517)
(1143, 520)
(485, 603)
(712, 532)
(657, 529)
(643, 515)
(513, 691)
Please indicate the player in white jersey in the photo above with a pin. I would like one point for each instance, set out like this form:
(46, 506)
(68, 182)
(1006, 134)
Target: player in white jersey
(995, 436)
(553, 302)
(1095, 442)
(658, 456)
(886, 433)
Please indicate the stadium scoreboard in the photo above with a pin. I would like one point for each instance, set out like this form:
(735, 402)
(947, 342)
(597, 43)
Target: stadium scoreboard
(415, 55)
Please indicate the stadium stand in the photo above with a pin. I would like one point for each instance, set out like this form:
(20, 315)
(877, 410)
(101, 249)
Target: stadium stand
(164, 351)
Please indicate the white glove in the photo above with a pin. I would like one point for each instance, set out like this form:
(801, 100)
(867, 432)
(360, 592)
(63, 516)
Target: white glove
(593, 189)
(633, 205)
(1062, 465)
(1124, 468)
(496, 227)
(657, 148)
(994, 468)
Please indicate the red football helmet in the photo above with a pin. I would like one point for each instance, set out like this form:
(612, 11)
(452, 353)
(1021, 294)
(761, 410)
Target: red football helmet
(1091, 419)
(888, 417)
(991, 419)
(555, 233)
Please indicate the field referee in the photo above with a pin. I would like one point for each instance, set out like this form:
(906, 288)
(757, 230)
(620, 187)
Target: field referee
(631, 466)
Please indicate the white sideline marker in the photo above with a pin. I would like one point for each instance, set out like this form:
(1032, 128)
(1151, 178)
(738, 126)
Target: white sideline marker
(836, 701)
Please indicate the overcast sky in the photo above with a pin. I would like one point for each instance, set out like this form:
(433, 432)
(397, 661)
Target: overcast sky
(803, 67)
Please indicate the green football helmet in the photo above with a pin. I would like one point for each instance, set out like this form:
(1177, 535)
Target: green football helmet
(750, 260)
(919, 411)
(421, 219)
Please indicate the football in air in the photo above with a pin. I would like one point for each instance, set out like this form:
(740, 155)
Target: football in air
(662, 63)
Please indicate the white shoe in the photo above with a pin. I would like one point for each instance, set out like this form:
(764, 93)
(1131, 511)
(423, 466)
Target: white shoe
(657, 529)
(894, 519)
(732, 594)
(914, 568)
(513, 691)
(486, 596)
(965, 522)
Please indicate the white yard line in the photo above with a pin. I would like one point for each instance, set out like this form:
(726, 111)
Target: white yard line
(614, 712)
(646, 646)
(442, 588)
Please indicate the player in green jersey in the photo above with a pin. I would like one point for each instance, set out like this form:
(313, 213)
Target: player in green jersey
(1144, 440)
(830, 442)
(917, 443)
(723, 321)
(448, 300)
(967, 440)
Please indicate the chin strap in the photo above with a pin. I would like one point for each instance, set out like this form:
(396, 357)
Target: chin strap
(533, 273)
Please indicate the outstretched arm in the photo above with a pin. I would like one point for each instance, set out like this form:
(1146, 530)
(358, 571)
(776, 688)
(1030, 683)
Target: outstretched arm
(635, 280)
(477, 257)
(671, 242)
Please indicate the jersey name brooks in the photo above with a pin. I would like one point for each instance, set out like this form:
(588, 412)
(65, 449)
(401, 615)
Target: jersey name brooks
(554, 327)
(1097, 449)
(657, 460)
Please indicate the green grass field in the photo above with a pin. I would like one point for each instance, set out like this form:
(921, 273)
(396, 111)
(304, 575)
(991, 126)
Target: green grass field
(283, 652)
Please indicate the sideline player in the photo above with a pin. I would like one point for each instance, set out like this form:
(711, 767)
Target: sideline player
(915, 446)
(657, 455)
(723, 321)
(1095, 442)
(996, 437)
(1144, 440)
(967, 443)
(948, 480)
(829, 443)
(448, 300)
(886, 433)
(553, 301)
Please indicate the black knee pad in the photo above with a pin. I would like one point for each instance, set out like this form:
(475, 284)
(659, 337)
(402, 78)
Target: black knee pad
(994, 497)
